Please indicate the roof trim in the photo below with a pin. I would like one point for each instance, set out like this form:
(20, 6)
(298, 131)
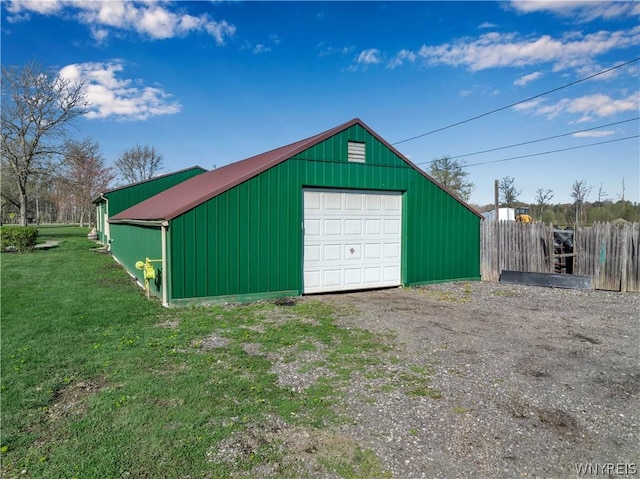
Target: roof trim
(118, 188)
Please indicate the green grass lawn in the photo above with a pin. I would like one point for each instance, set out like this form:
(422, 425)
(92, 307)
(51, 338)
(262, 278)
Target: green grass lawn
(99, 382)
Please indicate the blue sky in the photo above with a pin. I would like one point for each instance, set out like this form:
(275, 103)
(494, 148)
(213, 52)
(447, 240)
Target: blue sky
(210, 83)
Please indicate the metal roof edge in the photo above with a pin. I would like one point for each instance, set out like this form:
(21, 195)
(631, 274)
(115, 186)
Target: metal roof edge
(158, 222)
(422, 172)
(118, 188)
(303, 145)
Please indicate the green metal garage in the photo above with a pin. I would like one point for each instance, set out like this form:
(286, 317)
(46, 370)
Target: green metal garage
(341, 210)
(115, 200)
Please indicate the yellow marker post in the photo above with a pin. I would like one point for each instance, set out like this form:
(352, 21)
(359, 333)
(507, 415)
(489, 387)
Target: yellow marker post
(149, 272)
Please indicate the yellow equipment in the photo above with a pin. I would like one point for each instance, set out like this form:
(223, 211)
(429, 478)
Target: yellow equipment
(523, 216)
(149, 272)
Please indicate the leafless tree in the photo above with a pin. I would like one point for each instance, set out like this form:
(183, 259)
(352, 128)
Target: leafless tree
(140, 163)
(580, 192)
(601, 195)
(84, 176)
(508, 191)
(38, 106)
(450, 174)
(542, 198)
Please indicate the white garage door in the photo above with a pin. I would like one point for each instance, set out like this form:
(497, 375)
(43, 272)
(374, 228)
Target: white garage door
(351, 240)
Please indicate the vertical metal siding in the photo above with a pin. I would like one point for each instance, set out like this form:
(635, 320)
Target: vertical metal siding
(135, 243)
(120, 200)
(249, 239)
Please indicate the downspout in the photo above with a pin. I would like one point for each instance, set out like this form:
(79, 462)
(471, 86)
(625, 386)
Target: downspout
(105, 217)
(165, 272)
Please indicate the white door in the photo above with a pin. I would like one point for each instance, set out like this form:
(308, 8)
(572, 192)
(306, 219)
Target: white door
(352, 239)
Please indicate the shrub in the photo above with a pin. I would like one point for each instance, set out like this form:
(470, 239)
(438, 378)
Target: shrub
(22, 238)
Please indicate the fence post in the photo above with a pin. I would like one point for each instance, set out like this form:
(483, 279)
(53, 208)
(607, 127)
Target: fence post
(625, 256)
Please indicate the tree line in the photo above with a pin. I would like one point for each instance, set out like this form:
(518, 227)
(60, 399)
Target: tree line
(46, 174)
(451, 174)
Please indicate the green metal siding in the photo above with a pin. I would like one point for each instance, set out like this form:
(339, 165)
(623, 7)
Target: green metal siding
(133, 243)
(128, 196)
(100, 226)
(248, 240)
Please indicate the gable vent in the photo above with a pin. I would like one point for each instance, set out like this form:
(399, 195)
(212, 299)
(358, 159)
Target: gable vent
(355, 152)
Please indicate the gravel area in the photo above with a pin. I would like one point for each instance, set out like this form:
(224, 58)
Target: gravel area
(492, 380)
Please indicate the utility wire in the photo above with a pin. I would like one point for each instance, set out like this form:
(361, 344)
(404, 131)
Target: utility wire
(553, 151)
(518, 102)
(533, 141)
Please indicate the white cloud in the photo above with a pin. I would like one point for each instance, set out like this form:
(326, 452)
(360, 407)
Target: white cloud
(114, 97)
(149, 19)
(260, 48)
(483, 89)
(328, 50)
(528, 105)
(401, 57)
(43, 7)
(523, 80)
(370, 56)
(487, 25)
(494, 50)
(589, 106)
(581, 10)
(593, 134)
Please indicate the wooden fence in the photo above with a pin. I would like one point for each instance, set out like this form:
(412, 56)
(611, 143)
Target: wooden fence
(605, 251)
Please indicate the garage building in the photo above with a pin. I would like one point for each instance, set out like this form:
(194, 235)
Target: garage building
(115, 200)
(341, 210)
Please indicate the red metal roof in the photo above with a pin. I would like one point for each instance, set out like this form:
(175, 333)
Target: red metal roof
(190, 193)
(122, 187)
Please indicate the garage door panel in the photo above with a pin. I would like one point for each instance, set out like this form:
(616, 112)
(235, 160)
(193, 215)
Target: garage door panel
(332, 227)
(353, 276)
(312, 279)
(332, 277)
(312, 227)
(332, 202)
(353, 227)
(391, 273)
(391, 227)
(391, 251)
(373, 250)
(353, 252)
(392, 203)
(312, 253)
(352, 240)
(353, 201)
(373, 227)
(332, 252)
(372, 275)
(373, 203)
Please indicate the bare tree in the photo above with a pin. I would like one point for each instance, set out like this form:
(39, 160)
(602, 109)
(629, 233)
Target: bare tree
(601, 195)
(84, 176)
(508, 191)
(579, 192)
(450, 174)
(138, 164)
(542, 198)
(623, 190)
(37, 108)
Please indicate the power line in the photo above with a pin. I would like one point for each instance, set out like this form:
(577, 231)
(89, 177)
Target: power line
(518, 102)
(533, 141)
(553, 151)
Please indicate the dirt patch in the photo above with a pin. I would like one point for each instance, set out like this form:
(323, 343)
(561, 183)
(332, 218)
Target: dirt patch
(302, 452)
(71, 400)
(531, 381)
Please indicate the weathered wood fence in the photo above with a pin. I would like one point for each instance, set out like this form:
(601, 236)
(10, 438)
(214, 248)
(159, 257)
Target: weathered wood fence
(607, 252)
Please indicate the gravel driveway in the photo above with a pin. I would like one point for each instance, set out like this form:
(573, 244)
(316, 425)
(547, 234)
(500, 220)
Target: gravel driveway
(518, 381)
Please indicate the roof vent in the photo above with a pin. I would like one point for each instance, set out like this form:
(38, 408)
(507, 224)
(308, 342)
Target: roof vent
(355, 152)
